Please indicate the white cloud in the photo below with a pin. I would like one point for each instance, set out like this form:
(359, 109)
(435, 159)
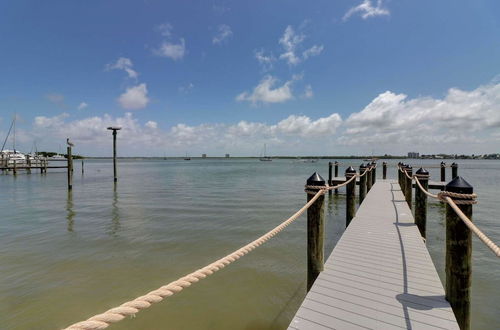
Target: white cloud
(266, 61)
(461, 116)
(223, 33)
(265, 93)
(124, 64)
(175, 51)
(82, 106)
(134, 98)
(55, 98)
(366, 9)
(186, 89)
(304, 126)
(291, 43)
(308, 92)
(151, 124)
(165, 29)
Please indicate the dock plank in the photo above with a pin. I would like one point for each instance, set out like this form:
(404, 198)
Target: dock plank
(380, 275)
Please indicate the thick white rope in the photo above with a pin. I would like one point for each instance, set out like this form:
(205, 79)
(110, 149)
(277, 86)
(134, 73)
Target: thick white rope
(130, 308)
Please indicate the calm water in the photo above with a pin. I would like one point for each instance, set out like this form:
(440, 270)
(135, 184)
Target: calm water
(65, 257)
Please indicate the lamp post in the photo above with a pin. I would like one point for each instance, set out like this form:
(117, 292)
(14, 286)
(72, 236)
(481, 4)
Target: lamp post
(114, 129)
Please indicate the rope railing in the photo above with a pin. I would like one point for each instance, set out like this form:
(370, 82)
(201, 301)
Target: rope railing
(130, 308)
(464, 199)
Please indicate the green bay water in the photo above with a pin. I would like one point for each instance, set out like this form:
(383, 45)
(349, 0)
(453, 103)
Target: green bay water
(65, 257)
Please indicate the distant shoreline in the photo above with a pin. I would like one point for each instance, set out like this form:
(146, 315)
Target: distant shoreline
(294, 157)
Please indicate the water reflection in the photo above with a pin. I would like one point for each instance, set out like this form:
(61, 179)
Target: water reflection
(115, 215)
(69, 209)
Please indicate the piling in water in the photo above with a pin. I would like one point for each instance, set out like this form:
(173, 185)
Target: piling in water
(315, 230)
(421, 200)
(384, 170)
(408, 186)
(329, 176)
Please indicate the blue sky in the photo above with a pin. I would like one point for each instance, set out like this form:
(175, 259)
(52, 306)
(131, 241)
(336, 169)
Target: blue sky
(322, 77)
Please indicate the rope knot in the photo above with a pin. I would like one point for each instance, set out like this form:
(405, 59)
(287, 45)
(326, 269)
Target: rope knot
(459, 199)
(313, 190)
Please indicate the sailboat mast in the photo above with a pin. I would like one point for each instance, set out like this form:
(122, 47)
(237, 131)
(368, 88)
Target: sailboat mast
(14, 137)
(265, 153)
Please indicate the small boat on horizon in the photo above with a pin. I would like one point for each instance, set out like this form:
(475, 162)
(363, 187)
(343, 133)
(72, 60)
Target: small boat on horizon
(265, 158)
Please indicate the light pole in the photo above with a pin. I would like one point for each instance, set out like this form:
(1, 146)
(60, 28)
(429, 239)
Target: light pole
(114, 129)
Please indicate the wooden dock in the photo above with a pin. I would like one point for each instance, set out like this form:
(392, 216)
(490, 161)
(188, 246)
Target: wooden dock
(380, 274)
(432, 184)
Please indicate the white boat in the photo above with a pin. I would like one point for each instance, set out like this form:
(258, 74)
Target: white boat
(265, 158)
(12, 156)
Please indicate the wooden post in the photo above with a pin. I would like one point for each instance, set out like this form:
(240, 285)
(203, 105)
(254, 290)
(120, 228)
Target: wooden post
(369, 177)
(14, 171)
(399, 173)
(114, 129)
(443, 171)
(329, 176)
(458, 255)
(315, 230)
(374, 173)
(28, 164)
(70, 168)
(82, 167)
(384, 170)
(454, 170)
(402, 180)
(421, 200)
(408, 186)
(362, 184)
(350, 196)
(336, 174)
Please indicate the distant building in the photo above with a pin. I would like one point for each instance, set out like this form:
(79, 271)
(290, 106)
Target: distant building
(203, 155)
(227, 155)
(413, 154)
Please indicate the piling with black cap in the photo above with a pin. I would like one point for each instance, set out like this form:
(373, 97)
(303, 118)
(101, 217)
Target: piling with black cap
(408, 185)
(82, 167)
(329, 176)
(315, 229)
(421, 200)
(402, 179)
(454, 170)
(350, 195)
(458, 254)
(374, 173)
(114, 129)
(399, 173)
(384, 170)
(369, 177)
(336, 173)
(69, 160)
(362, 183)
(443, 172)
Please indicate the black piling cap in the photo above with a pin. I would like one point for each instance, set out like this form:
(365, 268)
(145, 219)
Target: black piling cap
(330, 163)
(384, 163)
(315, 180)
(336, 162)
(350, 170)
(443, 163)
(459, 185)
(409, 168)
(362, 166)
(422, 171)
(454, 165)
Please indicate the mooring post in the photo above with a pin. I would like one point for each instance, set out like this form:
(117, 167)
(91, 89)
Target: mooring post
(421, 200)
(70, 168)
(408, 186)
(28, 164)
(384, 170)
(82, 167)
(329, 176)
(369, 177)
(374, 173)
(454, 170)
(399, 173)
(114, 129)
(14, 170)
(458, 255)
(402, 183)
(336, 173)
(315, 230)
(362, 183)
(443, 171)
(350, 195)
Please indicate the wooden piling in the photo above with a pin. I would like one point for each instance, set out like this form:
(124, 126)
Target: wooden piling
(374, 173)
(14, 170)
(443, 172)
(82, 167)
(458, 255)
(384, 170)
(28, 164)
(114, 129)
(408, 186)
(369, 177)
(454, 170)
(69, 161)
(421, 201)
(336, 174)
(350, 195)
(329, 176)
(362, 183)
(315, 230)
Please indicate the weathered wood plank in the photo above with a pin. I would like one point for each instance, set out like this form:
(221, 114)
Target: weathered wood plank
(380, 275)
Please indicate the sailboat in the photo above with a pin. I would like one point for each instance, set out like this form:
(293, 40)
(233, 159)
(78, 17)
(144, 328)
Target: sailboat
(187, 157)
(265, 158)
(12, 156)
